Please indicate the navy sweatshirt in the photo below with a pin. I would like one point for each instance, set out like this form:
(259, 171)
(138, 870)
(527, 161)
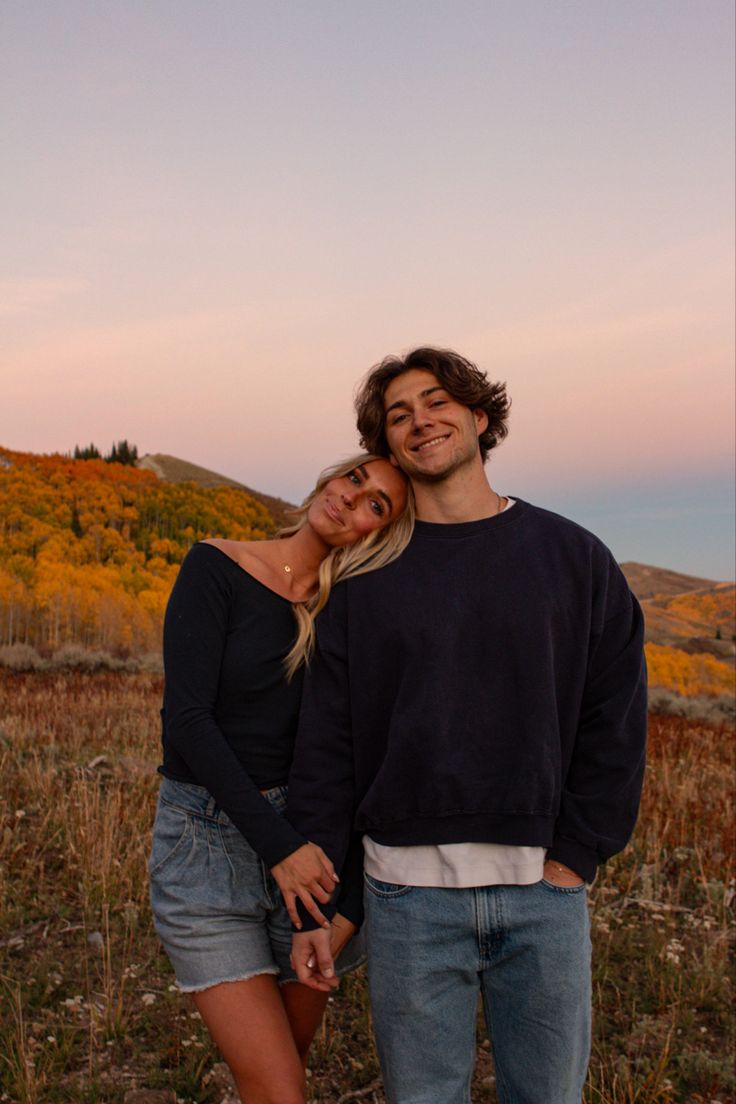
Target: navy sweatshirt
(488, 686)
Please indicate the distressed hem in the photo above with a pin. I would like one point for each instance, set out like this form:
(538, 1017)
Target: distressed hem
(225, 980)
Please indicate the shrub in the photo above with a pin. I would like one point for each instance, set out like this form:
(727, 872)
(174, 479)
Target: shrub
(716, 710)
(20, 657)
(72, 656)
(151, 663)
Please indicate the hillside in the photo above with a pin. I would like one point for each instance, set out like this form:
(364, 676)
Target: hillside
(89, 550)
(174, 470)
(650, 582)
(682, 611)
(701, 620)
(690, 630)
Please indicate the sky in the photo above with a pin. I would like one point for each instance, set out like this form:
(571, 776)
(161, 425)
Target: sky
(218, 217)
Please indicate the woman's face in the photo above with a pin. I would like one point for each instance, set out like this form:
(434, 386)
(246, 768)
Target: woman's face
(353, 505)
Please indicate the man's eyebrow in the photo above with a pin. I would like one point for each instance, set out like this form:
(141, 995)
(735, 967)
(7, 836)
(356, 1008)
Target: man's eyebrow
(382, 494)
(422, 395)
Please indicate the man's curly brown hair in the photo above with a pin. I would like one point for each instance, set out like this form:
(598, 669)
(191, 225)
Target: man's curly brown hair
(459, 377)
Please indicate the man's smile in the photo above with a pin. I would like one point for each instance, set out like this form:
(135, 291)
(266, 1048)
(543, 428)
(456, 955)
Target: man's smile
(431, 443)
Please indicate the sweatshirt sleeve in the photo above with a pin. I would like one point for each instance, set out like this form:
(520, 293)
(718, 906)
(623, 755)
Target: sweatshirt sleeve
(195, 628)
(349, 899)
(600, 796)
(321, 782)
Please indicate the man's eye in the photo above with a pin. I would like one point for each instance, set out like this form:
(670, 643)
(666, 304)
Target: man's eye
(438, 402)
(397, 419)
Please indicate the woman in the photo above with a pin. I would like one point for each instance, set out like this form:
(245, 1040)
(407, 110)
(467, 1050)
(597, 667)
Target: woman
(222, 851)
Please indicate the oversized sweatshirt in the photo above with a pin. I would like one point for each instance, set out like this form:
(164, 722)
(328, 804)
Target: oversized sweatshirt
(487, 686)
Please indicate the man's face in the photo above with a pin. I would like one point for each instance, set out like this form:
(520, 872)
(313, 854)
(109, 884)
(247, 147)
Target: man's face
(430, 434)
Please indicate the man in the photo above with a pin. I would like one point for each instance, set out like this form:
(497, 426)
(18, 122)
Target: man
(477, 710)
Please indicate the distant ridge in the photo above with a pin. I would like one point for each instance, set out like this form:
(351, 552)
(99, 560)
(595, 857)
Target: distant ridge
(647, 581)
(697, 616)
(173, 470)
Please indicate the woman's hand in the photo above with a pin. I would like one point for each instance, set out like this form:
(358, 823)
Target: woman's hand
(311, 960)
(313, 953)
(306, 873)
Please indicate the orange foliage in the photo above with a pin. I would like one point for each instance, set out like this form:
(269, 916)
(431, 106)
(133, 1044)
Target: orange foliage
(89, 550)
(710, 609)
(688, 674)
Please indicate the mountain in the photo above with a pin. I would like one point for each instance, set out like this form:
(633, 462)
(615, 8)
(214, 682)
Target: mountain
(686, 612)
(90, 550)
(173, 470)
(690, 631)
(650, 582)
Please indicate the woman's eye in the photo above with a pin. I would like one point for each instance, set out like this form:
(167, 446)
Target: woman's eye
(377, 507)
(354, 478)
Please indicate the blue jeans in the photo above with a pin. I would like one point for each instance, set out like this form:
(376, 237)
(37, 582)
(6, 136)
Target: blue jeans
(525, 949)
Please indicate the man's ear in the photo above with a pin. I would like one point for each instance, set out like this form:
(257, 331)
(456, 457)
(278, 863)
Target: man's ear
(481, 420)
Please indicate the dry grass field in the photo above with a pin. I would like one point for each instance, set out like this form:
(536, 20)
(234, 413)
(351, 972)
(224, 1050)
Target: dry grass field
(88, 1012)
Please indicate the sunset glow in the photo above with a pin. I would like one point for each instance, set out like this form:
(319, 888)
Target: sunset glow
(219, 217)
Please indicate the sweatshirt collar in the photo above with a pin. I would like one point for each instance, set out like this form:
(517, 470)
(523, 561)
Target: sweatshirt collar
(461, 529)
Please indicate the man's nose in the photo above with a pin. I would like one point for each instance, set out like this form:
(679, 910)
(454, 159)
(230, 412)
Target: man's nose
(420, 419)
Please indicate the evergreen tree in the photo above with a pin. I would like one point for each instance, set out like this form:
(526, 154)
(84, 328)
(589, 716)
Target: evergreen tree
(123, 453)
(89, 452)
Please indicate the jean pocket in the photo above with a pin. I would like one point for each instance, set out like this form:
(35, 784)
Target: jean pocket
(385, 889)
(562, 889)
(171, 829)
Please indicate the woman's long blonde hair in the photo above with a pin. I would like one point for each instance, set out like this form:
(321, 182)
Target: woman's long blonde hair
(368, 554)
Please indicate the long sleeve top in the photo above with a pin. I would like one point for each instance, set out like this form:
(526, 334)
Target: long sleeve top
(487, 686)
(229, 716)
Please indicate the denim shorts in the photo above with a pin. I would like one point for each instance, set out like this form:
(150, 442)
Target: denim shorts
(216, 906)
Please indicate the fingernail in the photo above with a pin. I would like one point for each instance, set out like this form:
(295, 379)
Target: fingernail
(326, 924)
(298, 926)
(329, 972)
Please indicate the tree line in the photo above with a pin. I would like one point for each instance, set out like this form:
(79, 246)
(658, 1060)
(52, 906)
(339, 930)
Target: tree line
(121, 452)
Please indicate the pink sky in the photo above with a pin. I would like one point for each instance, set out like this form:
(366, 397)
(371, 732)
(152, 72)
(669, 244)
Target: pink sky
(220, 218)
